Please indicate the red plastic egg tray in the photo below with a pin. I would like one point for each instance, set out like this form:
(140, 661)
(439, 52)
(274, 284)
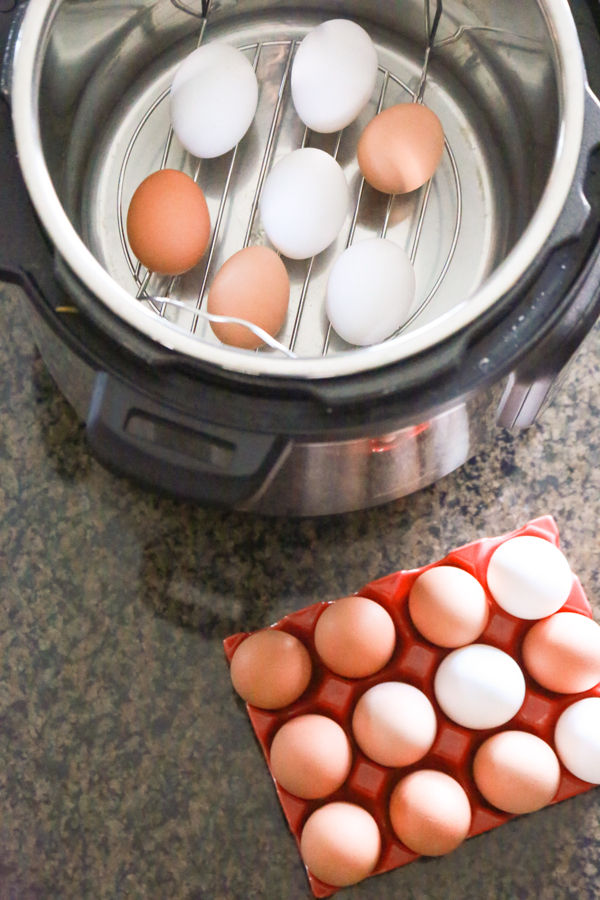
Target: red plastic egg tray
(415, 661)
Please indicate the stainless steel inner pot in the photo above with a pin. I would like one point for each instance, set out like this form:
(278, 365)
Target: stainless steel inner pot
(90, 111)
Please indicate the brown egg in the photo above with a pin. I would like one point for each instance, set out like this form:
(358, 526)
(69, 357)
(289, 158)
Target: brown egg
(310, 756)
(253, 285)
(340, 844)
(448, 606)
(516, 772)
(168, 223)
(355, 637)
(430, 812)
(401, 148)
(271, 669)
(562, 653)
(394, 723)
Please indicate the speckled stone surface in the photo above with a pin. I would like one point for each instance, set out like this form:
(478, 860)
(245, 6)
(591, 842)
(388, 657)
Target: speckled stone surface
(128, 769)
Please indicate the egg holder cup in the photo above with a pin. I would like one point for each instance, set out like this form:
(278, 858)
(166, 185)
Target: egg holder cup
(415, 661)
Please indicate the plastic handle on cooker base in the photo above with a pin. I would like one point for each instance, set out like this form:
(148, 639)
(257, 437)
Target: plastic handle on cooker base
(134, 436)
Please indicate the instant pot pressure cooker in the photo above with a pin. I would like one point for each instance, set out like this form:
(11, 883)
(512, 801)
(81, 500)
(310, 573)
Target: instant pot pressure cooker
(504, 240)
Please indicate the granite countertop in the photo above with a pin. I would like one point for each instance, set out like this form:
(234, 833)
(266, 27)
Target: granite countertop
(128, 768)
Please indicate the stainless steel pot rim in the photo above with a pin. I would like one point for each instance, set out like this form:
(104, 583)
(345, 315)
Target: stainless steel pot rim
(25, 97)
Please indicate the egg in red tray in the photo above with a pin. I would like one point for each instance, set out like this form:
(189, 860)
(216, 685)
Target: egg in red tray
(442, 718)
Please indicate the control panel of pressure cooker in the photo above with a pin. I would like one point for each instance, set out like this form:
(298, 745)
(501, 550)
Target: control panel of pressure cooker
(432, 706)
(304, 198)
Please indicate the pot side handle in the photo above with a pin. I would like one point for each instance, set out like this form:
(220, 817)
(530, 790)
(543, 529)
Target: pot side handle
(134, 436)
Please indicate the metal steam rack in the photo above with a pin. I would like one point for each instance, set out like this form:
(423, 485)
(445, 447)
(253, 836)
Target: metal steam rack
(181, 300)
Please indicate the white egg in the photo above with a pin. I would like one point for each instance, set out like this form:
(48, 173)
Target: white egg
(577, 739)
(214, 96)
(479, 686)
(370, 291)
(529, 577)
(333, 75)
(304, 203)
